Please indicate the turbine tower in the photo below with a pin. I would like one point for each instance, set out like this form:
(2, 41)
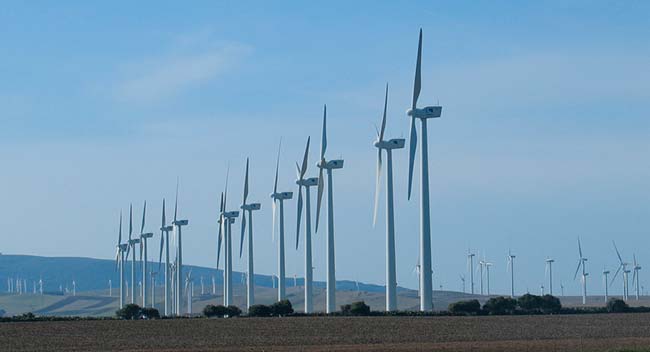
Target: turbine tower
(481, 264)
(164, 243)
(487, 272)
(330, 165)
(388, 146)
(178, 225)
(549, 271)
(622, 265)
(635, 277)
(605, 273)
(245, 207)
(280, 197)
(132, 242)
(143, 254)
(306, 183)
(582, 264)
(119, 261)
(470, 266)
(426, 303)
(511, 268)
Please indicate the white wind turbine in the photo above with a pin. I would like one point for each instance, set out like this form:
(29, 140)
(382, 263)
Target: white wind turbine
(605, 274)
(481, 265)
(582, 264)
(178, 224)
(388, 146)
(119, 261)
(330, 165)
(423, 114)
(143, 254)
(635, 277)
(511, 268)
(462, 280)
(470, 266)
(622, 265)
(549, 271)
(245, 207)
(164, 243)
(306, 183)
(280, 197)
(227, 218)
(189, 291)
(132, 242)
(487, 272)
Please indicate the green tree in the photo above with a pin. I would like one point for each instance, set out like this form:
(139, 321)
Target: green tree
(550, 304)
(530, 303)
(469, 307)
(282, 308)
(130, 312)
(215, 311)
(259, 310)
(615, 305)
(149, 313)
(233, 311)
(500, 305)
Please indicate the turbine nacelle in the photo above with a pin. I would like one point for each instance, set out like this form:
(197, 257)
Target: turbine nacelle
(134, 241)
(167, 228)
(308, 182)
(123, 247)
(426, 112)
(330, 165)
(146, 235)
(231, 214)
(252, 206)
(282, 195)
(180, 222)
(396, 143)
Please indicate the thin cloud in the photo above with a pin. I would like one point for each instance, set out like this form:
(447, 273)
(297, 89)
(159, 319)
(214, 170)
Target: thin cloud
(160, 79)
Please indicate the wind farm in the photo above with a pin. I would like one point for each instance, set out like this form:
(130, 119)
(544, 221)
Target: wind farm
(542, 148)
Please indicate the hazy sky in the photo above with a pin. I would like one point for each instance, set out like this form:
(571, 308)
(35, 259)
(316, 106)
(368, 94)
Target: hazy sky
(544, 134)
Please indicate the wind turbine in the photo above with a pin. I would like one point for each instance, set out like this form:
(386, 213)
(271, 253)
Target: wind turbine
(470, 266)
(549, 270)
(388, 146)
(119, 261)
(280, 197)
(226, 220)
(178, 225)
(581, 264)
(425, 226)
(143, 254)
(462, 279)
(250, 285)
(635, 276)
(622, 265)
(480, 265)
(306, 183)
(164, 243)
(330, 165)
(189, 291)
(132, 243)
(511, 268)
(487, 272)
(605, 273)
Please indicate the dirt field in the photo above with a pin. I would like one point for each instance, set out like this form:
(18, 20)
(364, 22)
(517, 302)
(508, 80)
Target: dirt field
(604, 332)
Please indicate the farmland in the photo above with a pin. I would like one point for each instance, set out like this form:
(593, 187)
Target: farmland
(601, 332)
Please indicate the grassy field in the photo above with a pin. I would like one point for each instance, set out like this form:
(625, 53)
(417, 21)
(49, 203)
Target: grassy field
(602, 332)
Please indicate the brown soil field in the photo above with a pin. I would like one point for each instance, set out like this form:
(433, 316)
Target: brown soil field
(600, 332)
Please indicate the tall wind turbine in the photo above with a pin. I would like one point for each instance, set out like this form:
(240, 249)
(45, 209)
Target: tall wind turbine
(605, 273)
(306, 183)
(487, 272)
(178, 225)
(388, 146)
(470, 266)
(164, 243)
(622, 265)
(581, 264)
(143, 254)
(245, 207)
(549, 271)
(119, 260)
(226, 220)
(423, 114)
(330, 165)
(132, 242)
(635, 277)
(280, 197)
(511, 268)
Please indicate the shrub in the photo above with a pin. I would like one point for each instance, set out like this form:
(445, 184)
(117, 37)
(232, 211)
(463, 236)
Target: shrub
(259, 310)
(149, 313)
(130, 311)
(355, 308)
(465, 307)
(233, 311)
(282, 308)
(500, 305)
(550, 304)
(615, 305)
(215, 311)
(530, 303)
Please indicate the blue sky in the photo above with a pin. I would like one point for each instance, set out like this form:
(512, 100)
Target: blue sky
(544, 135)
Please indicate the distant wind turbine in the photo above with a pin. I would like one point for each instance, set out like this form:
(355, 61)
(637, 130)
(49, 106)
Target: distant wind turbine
(164, 243)
(582, 264)
(245, 207)
(280, 197)
(143, 254)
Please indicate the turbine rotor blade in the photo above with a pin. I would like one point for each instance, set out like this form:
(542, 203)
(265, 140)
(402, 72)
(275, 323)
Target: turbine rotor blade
(319, 199)
(323, 145)
(130, 221)
(417, 83)
(615, 274)
(243, 229)
(246, 183)
(383, 120)
(305, 159)
(579, 247)
(299, 215)
(413, 143)
(617, 252)
(176, 201)
(277, 168)
(377, 187)
(577, 269)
